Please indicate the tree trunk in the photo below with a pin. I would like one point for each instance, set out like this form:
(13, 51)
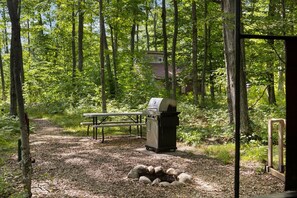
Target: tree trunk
(102, 45)
(194, 53)
(114, 45)
(2, 79)
(146, 27)
(228, 7)
(16, 60)
(108, 66)
(270, 64)
(203, 91)
(132, 44)
(175, 34)
(155, 26)
(211, 76)
(167, 85)
(73, 46)
(5, 30)
(80, 34)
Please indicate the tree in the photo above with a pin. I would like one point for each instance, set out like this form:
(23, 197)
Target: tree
(228, 7)
(164, 22)
(102, 62)
(16, 63)
(175, 34)
(80, 34)
(194, 52)
(73, 44)
(2, 79)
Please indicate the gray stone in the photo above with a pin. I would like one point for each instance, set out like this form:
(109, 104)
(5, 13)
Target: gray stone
(156, 182)
(172, 171)
(159, 170)
(164, 184)
(145, 180)
(141, 169)
(184, 178)
(151, 169)
(133, 174)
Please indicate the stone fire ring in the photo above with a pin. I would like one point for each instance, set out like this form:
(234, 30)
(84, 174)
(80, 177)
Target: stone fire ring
(157, 176)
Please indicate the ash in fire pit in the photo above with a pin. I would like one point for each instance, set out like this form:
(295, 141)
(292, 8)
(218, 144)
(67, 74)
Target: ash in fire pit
(157, 176)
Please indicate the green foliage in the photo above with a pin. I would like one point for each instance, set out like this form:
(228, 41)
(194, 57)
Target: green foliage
(224, 153)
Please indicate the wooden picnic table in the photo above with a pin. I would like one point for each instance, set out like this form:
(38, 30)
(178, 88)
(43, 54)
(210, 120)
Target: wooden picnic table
(99, 120)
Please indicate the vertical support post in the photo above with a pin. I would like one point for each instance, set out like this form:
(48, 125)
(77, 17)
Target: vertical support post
(281, 146)
(291, 109)
(270, 148)
(237, 98)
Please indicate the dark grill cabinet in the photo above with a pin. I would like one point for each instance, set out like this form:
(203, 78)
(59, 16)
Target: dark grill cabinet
(162, 120)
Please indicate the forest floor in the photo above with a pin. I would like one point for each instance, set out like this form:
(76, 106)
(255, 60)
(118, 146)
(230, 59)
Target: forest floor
(71, 166)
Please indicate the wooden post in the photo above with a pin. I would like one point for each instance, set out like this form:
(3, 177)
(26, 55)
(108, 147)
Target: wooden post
(291, 109)
(278, 173)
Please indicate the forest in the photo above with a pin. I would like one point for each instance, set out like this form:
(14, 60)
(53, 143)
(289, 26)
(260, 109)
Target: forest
(61, 58)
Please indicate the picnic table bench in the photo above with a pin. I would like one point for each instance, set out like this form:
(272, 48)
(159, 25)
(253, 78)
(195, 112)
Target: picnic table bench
(100, 120)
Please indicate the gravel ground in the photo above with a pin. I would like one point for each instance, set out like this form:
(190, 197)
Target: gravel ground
(69, 166)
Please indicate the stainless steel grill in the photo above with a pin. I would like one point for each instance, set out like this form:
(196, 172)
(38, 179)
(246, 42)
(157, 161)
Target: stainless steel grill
(162, 119)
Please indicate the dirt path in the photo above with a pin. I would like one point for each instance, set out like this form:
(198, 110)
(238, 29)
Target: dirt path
(68, 166)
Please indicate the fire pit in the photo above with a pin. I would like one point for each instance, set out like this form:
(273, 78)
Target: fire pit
(162, 120)
(157, 176)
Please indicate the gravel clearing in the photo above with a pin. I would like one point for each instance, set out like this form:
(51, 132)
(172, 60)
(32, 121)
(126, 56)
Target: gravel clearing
(69, 166)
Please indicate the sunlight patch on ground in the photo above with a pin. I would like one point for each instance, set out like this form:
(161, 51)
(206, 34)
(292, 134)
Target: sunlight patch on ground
(95, 174)
(59, 187)
(38, 143)
(203, 185)
(77, 161)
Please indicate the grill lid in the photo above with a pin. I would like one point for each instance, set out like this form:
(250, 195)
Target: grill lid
(162, 105)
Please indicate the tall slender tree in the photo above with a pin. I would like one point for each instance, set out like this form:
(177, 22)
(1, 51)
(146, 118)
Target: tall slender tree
(73, 34)
(165, 43)
(2, 78)
(194, 52)
(102, 61)
(80, 34)
(16, 60)
(175, 34)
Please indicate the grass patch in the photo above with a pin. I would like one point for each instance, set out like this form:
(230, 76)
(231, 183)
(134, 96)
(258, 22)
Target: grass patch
(224, 153)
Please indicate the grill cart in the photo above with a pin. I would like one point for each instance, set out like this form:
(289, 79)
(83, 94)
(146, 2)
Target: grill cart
(162, 120)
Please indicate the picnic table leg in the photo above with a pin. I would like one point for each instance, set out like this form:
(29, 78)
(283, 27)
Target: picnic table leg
(94, 122)
(102, 131)
(88, 130)
(96, 129)
(137, 121)
(141, 126)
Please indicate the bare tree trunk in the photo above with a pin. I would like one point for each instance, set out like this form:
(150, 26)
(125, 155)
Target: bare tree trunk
(155, 27)
(203, 91)
(211, 76)
(164, 29)
(102, 45)
(270, 73)
(73, 46)
(228, 7)
(194, 53)
(5, 30)
(132, 44)
(2, 79)
(16, 60)
(114, 45)
(108, 66)
(146, 26)
(80, 34)
(175, 34)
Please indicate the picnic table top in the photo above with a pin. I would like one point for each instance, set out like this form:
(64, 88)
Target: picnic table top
(112, 114)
